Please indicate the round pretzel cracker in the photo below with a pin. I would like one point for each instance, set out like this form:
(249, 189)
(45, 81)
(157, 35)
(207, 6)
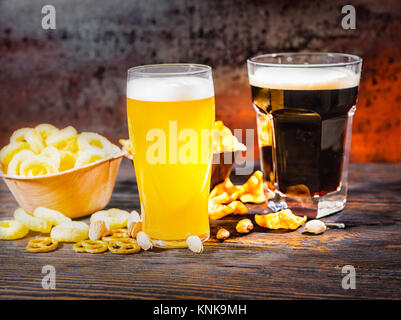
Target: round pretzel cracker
(124, 246)
(95, 246)
(73, 231)
(52, 216)
(79, 247)
(33, 223)
(42, 244)
(116, 234)
(12, 230)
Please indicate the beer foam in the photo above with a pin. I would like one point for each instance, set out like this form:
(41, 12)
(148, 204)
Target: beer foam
(170, 89)
(304, 78)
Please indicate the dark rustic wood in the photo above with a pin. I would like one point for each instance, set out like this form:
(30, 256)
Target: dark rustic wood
(260, 265)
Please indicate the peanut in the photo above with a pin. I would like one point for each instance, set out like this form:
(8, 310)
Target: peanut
(222, 234)
(244, 226)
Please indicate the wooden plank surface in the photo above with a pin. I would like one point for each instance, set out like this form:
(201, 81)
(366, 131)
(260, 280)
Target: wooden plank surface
(261, 265)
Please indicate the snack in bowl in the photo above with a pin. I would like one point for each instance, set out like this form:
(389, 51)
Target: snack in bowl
(47, 167)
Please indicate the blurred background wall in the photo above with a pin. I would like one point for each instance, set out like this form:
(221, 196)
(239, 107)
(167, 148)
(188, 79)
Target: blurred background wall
(76, 74)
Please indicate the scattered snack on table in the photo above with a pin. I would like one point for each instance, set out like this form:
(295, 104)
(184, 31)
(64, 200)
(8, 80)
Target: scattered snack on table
(114, 218)
(54, 217)
(223, 199)
(98, 229)
(134, 224)
(124, 246)
(222, 234)
(195, 244)
(144, 241)
(252, 190)
(218, 210)
(90, 246)
(315, 226)
(283, 219)
(12, 230)
(31, 222)
(73, 231)
(116, 234)
(46, 150)
(244, 226)
(42, 244)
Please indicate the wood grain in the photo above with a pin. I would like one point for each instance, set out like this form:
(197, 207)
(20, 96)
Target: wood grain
(260, 265)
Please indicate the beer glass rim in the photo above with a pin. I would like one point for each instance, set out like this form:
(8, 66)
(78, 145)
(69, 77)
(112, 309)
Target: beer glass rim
(156, 70)
(353, 60)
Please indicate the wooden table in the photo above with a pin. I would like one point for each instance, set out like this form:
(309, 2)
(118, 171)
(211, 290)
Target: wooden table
(261, 265)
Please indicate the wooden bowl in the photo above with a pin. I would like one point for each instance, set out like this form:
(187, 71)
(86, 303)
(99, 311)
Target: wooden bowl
(76, 192)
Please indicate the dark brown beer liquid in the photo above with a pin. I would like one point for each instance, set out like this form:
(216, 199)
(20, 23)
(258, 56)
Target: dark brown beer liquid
(309, 128)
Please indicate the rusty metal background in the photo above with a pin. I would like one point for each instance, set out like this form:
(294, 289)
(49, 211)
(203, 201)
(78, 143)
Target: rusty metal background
(75, 75)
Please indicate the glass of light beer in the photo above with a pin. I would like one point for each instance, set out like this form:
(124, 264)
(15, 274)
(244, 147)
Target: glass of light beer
(305, 104)
(171, 112)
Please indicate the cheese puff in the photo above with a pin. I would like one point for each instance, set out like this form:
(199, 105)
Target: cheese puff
(33, 223)
(9, 151)
(12, 230)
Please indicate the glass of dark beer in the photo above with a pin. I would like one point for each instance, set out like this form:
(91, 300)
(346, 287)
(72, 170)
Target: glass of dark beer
(304, 104)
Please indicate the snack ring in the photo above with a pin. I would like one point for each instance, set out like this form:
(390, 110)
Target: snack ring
(79, 247)
(9, 151)
(29, 135)
(42, 244)
(95, 246)
(114, 218)
(15, 163)
(33, 223)
(92, 140)
(67, 160)
(38, 165)
(88, 156)
(45, 130)
(124, 246)
(52, 216)
(73, 231)
(12, 230)
(64, 139)
(53, 154)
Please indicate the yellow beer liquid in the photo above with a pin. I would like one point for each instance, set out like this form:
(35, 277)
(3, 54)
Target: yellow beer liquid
(174, 196)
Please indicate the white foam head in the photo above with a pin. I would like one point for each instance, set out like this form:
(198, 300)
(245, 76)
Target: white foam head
(304, 78)
(170, 89)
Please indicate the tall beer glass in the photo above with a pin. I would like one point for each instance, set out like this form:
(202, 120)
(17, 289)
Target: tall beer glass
(305, 103)
(171, 110)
